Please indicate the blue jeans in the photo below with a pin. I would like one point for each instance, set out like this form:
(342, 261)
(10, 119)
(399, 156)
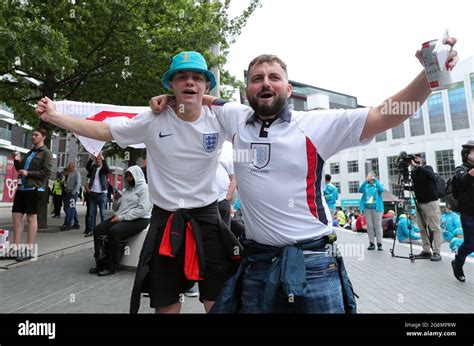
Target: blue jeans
(324, 291)
(468, 244)
(70, 209)
(96, 199)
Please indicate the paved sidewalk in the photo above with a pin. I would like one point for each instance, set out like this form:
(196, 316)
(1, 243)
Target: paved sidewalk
(51, 242)
(384, 284)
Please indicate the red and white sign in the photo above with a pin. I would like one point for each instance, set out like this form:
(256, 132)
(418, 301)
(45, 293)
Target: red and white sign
(11, 181)
(98, 112)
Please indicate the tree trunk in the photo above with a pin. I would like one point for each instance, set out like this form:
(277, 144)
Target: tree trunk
(44, 200)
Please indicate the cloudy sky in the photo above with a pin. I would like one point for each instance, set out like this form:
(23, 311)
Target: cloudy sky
(363, 48)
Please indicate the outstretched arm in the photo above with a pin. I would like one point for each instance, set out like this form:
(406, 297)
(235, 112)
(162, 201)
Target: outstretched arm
(91, 129)
(394, 111)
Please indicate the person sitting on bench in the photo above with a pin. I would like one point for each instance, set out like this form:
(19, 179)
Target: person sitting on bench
(132, 214)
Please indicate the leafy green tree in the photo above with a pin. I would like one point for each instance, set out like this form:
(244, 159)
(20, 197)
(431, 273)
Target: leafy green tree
(104, 51)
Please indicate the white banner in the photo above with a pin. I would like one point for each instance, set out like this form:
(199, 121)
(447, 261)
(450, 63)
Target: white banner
(98, 112)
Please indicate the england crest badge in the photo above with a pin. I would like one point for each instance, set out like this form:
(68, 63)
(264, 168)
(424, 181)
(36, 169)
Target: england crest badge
(260, 154)
(209, 141)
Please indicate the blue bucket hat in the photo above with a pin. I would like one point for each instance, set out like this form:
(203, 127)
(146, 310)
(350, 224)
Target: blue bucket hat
(188, 61)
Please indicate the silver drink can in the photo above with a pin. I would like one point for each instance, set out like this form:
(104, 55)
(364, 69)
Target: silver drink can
(435, 57)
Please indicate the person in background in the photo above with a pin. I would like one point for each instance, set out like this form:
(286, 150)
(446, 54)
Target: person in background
(73, 183)
(388, 224)
(132, 211)
(457, 241)
(98, 170)
(33, 171)
(330, 194)
(226, 184)
(361, 223)
(465, 188)
(406, 230)
(450, 221)
(428, 208)
(341, 217)
(110, 194)
(57, 192)
(371, 205)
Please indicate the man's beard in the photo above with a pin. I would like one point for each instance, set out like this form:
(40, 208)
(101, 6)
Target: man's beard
(267, 110)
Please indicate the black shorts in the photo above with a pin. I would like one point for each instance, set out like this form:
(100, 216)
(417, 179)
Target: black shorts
(167, 282)
(26, 202)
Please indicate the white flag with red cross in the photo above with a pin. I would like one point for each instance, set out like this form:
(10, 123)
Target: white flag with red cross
(98, 112)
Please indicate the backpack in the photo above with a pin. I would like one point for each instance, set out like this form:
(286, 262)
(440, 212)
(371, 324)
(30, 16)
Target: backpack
(440, 186)
(452, 194)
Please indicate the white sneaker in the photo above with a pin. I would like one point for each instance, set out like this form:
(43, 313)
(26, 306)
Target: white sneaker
(192, 292)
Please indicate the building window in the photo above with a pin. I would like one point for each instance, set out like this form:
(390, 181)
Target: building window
(5, 131)
(353, 166)
(398, 132)
(372, 165)
(3, 165)
(334, 168)
(472, 85)
(381, 137)
(458, 107)
(417, 127)
(353, 187)
(26, 139)
(393, 175)
(445, 163)
(338, 186)
(436, 113)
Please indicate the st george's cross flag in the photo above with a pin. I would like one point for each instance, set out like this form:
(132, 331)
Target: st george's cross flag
(98, 112)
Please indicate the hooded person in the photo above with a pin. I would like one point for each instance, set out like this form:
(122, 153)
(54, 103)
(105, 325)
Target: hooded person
(406, 230)
(450, 221)
(132, 210)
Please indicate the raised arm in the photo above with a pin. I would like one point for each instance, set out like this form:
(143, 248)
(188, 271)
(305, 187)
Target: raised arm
(46, 110)
(390, 113)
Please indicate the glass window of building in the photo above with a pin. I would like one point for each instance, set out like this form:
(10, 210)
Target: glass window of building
(26, 139)
(3, 164)
(298, 104)
(381, 137)
(458, 107)
(472, 86)
(445, 163)
(353, 187)
(393, 175)
(436, 113)
(399, 131)
(5, 131)
(338, 186)
(353, 166)
(372, 165)
(417, 127)
(334, 168)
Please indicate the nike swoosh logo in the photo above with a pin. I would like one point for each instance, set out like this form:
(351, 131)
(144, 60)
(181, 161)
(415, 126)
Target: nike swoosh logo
(162, 135)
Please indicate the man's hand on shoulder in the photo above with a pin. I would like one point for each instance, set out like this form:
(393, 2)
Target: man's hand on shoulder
(159, 103)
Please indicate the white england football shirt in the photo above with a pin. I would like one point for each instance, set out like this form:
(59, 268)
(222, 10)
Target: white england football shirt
(279, 168)
(182, 156)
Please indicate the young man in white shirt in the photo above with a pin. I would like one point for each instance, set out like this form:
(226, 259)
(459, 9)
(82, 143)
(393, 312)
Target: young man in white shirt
(182, 152)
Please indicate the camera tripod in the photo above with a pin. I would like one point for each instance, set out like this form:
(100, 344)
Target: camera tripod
(404, 180)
